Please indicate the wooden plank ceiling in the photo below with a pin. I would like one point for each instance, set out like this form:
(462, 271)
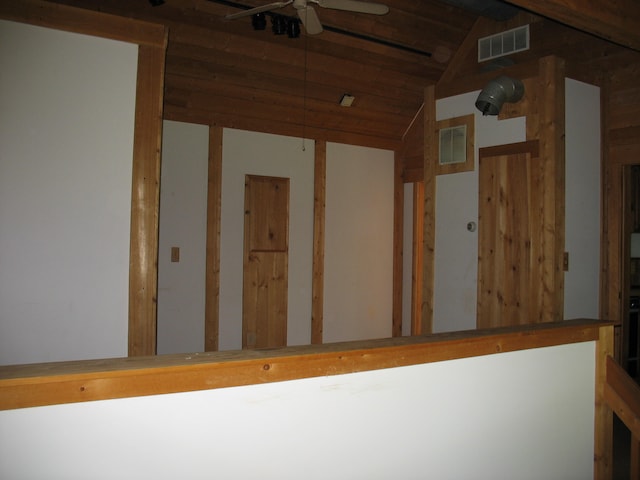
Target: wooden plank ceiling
(223, 72)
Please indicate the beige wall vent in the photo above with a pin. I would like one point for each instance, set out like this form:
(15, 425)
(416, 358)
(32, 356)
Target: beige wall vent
(503, 43)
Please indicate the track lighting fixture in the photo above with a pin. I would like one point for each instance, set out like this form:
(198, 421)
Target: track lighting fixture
(259, 21)
(293, 28)
(278, 24)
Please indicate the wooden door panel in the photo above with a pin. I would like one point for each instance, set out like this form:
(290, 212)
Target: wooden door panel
(510, 267)
(265, 277)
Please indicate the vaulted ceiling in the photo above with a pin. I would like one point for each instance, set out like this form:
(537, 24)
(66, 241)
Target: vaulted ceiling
(223, 72)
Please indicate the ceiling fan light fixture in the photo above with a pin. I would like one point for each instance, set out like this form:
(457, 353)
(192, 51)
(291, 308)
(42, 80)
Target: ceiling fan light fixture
(259, 21)
(278, 24)
(347, 100)
(293, 28)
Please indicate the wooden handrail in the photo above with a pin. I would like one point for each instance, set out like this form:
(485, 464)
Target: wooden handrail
(622, 394)
(67, 382)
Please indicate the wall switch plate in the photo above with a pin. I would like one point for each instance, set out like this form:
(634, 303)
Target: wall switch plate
(175, 254)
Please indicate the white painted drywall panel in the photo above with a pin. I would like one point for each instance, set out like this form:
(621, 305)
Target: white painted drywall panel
(270, 155)
(358, 243)
(456, 249)
(66, 140)
(183, 224)
(519, 415)
(582, 200)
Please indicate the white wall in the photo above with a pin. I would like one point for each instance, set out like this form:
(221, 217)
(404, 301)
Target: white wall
(358, 267)
(183, 224)
(66, 139)
(358, 229)
(520, 415)
(271, 155)
(456, 249)
(582, 206)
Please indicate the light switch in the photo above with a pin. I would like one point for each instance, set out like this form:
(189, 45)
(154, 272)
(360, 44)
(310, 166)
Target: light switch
(175, 254)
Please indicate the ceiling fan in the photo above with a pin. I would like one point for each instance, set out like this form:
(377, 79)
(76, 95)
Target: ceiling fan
(308, 15)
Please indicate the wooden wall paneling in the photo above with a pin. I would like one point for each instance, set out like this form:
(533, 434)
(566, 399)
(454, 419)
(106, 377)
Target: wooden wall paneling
(418, 259)
(429, 213)
(189, 114)
(468, 48)
(398, 227)
(413, 149)
(145, 202)
(620, 101)
(266, 253)
(618, 22)
(509, 271)
(317, 285)
(214, 209)
(603, 420)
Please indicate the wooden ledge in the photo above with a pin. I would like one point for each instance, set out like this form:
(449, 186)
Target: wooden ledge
(78, 381)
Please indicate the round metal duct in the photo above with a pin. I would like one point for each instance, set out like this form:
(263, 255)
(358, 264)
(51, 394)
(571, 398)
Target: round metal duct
(500, 90)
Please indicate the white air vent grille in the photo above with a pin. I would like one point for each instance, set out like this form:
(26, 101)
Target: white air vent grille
(504, 43)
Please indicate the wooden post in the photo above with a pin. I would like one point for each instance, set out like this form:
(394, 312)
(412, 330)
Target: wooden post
(416, 277)
(603, 435)
(317, 287)
(398, 226)
(634, 456)
(214, 203)
(429, 239)
(145, 202)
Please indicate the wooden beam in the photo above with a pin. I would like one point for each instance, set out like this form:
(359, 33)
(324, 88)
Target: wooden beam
(69, 382)
(145, 202)
(398, 227)
(429, 214)
(317, 286)
(617, 21)
(552, 155)
(417, 264)
(623, 396)
(603, 421)
(214, 205)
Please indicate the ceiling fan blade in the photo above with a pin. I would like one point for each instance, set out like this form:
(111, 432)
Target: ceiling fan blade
(310, 20)
(354, 6)
(253, 11)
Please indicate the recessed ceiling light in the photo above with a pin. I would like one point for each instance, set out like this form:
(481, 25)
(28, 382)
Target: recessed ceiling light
(347, 100)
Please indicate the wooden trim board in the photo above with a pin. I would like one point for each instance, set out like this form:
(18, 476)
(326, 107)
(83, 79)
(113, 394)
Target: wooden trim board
(32, 385)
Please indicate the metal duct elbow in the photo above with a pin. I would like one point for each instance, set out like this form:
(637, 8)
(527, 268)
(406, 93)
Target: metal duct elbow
(499, 90)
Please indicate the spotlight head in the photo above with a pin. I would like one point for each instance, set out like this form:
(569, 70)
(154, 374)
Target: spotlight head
(259, 21)
(156, 3)
(278, 24)
(293, 28)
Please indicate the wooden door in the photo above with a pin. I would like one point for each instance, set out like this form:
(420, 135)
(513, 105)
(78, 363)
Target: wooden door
(266, 247)
(510, 236)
